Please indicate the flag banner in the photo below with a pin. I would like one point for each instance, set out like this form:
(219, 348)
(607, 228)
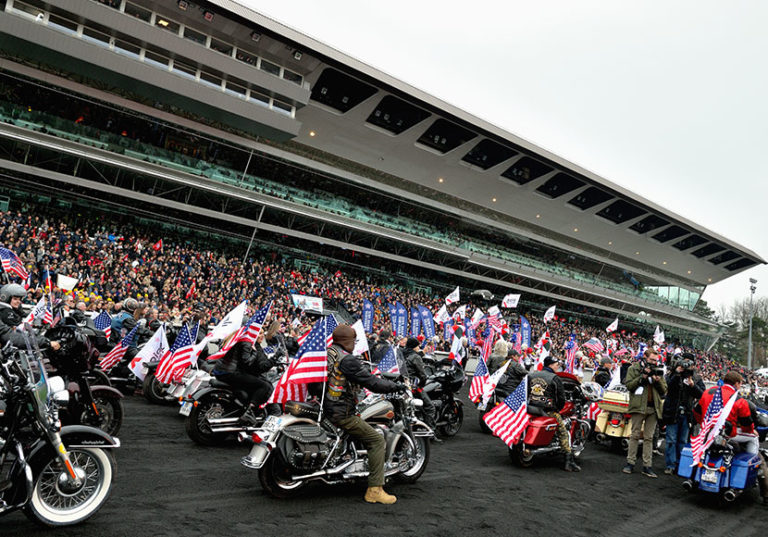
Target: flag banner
(490, 385)
(66, 283)
(151, 352)
(613, 326)
(509, 420)
(176, 359)
(37, 311)
(641, 349)
(713, 421)
(305, 302)
(114, 356)
(158, 245)
(549, 314)
(368, 316)
(311, 362)
(249, 332)
(460, 312)
(428, 322)
(456, 350)
(12, 264)
(442, 315)
(388, 364)
(570, 353)
(393, 317)
(510, 301)
(469, 330)
(478, 380)
(361, 341)
(415, 322)
(448, 329)
(229, 324)
(453, 297)
(402, 320)
(594, 345)
(525, 330)
(477, 317)
(103, 322)
(494, 311)
(330, 325)
(658, 336)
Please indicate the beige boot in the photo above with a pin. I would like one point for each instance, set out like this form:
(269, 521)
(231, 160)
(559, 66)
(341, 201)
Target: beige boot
(377, 495)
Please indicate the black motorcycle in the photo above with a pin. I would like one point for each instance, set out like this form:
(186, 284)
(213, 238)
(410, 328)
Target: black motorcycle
(58, 476)
(97, 405)
(442, 387)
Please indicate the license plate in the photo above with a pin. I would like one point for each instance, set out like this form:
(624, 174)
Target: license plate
(272, 424)
(709, 476)
(186, 408)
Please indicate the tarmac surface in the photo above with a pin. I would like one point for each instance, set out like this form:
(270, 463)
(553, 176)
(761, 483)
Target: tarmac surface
(168, 486)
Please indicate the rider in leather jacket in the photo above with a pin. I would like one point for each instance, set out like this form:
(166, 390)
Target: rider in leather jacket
(416, 371)
(346, 374)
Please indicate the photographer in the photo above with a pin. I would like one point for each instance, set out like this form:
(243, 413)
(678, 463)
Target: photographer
(684, 389)
(645, 382)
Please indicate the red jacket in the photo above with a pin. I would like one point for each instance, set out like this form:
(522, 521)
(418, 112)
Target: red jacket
(740, 415)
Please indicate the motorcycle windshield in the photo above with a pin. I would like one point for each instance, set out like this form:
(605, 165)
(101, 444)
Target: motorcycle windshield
(32, 365)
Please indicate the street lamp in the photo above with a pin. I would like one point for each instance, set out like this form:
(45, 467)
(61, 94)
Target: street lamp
(752, 288)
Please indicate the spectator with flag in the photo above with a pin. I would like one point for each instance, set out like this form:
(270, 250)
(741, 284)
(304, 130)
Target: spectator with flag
(346, 373)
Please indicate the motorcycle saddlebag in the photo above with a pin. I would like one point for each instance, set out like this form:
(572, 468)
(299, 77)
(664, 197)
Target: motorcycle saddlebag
(614, 401)
(684, 468)
(744, 470)
(540, 431)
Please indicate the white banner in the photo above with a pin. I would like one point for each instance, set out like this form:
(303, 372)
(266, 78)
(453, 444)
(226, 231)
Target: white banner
(151, 352)
(613, 326)
(549, 314)
(442, 315)
(453, 297)
(307, 302)
(66, 282)
(510, 301)
(361, 340)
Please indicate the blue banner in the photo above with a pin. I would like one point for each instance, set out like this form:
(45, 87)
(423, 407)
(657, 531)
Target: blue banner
(525, 329)
(393, 317)
(402, 320)
(447, 325)
(428, 321)
(469, 330)
(415, 322)
(367, 316)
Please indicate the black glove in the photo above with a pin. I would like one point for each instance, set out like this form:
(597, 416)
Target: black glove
(400, 387)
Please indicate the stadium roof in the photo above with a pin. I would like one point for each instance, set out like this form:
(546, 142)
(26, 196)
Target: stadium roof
(367, 116)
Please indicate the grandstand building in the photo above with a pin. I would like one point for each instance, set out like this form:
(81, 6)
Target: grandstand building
(209, 115)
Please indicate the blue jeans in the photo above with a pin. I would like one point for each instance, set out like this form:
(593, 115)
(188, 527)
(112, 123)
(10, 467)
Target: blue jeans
(676, 438)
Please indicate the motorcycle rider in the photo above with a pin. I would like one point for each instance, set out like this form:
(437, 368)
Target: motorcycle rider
(11, 316)
(416, 370)
(684, 389)
(602, 374)
(546, 393)
(346, 373)
(242, 368)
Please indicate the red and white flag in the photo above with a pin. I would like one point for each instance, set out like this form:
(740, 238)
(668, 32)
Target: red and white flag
(453, 297)
(158, 246)
(192, 291)
(456, 349)
(510, 301)
(114, 356)
(549, 314)
(152, 351)
(613, 326)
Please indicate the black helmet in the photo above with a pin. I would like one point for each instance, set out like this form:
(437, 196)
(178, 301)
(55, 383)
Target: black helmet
(8, 291)
(130, 305)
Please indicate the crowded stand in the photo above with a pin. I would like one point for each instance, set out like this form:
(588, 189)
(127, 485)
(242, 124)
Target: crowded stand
(114, 260)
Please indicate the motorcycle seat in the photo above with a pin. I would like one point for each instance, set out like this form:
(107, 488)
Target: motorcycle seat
(216, 382)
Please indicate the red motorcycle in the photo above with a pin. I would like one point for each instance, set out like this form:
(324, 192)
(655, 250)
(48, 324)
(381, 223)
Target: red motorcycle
(540, 437)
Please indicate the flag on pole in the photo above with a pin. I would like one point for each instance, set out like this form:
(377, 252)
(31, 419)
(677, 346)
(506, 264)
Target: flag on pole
(176, 359)
(103, 322)
(37, 311)
(549, 314)
(613, 326)
(116, 354)
(387, 364)
(151, 352)
(570, 353)
(490, 385)
(12, 264)
(509, 420)
(361, 341)
(658, 335)
(158, 246)
(510, 301)
(594, 345)
(442, 315)
(249, 332)
(311, 362)
(453, 297)
(713, 421)
(192, 291)
(478, 380)
(330, 325)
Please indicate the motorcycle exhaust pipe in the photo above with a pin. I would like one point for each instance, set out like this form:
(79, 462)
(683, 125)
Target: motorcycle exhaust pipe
(222, 421)
(688, 485)
(226, 429)
(600, 437)
(730, 495)
(540, 451)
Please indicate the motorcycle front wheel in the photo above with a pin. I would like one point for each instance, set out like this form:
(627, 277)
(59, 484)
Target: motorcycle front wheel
(55, 502)
(416, 459)
(452, 418)
(153, 389)
(107, 416)
(275, 479)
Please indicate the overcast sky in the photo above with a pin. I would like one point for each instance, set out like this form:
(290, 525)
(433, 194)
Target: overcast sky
(667, 98)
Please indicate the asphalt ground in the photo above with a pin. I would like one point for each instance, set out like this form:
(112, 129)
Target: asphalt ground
(168, 486)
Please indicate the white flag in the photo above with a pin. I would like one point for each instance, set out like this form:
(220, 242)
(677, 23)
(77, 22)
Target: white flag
(453, 297)
(477, 315)
(490, 384)
(361, 340)
(460, 313)
(442, 315)
(231, 322)
(613, 326)
(615, 377)
(493, 311)
(510, 301)
(658, 337)
(66, 283)
(151, 352)
(37, 311)
(549, 314)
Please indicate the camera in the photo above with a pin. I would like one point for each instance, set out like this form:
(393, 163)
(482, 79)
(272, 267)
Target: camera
(657, 371)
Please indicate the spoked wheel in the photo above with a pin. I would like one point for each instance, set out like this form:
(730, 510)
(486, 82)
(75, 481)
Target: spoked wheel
(579, 440)
(412, 462)
(57, 502)
(521, 456)
(275, 478)
(453, 416)
(154, 391)
(108, 414)
(197, 424)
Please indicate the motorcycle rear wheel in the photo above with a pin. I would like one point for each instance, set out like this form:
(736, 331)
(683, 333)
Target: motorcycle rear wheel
(453, 416)
(197, 426)
(422, 458)
(518, 456)
(110, 414)
(153, 389)
(52, 505)
(274, 479)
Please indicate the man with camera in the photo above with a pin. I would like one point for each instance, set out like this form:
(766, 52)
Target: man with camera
(645, 382)
(684, 389)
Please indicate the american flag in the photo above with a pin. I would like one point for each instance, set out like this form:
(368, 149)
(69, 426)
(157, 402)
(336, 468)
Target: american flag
(478, 380)
(176, 359)
(509, 419)
(300, 340)
(593, 411)
(12, 264)
(330, 326)
(497, 323)
(115, 355)
(48, 314)
(311, 362)
(388, 363)
(713, 421)
(595, 345)
(288, 389)
(570, 353)
(248, 332)
(103, 322)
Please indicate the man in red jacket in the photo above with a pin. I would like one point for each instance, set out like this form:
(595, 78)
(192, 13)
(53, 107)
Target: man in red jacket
(742, 429)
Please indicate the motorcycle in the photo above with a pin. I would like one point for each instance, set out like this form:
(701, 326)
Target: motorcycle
(58, 476)
(442, 387)
(300, 447)
(612, 425)
(96, 405)
(722, 471)
(540, 437)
